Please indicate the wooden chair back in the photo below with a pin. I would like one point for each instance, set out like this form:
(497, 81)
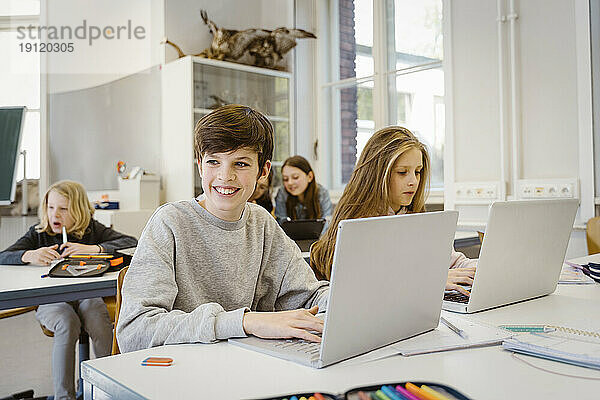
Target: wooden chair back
(115, 345)
(593, 235)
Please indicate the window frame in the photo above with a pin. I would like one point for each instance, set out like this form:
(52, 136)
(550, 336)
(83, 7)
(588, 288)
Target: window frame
(329, 84)
(10, 23)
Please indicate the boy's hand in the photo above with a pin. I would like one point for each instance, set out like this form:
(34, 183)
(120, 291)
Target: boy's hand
(78, 248)
(284, 324)
(41, 256)
(457, 276)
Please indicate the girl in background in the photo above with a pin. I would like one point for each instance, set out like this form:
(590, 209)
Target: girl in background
(301, 197)
(391, 177)
(262, 192)
(66, 205)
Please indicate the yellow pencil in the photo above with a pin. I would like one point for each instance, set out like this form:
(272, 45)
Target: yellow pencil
(437, 395)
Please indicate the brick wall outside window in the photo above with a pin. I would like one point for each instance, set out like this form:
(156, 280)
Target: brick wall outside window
(348, 96)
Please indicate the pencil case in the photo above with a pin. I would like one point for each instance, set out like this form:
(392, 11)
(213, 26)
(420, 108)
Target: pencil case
(593, 271)
(374, 392)
(86, 265)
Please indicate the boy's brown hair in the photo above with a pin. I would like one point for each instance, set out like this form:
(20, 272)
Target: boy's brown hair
(232, 127)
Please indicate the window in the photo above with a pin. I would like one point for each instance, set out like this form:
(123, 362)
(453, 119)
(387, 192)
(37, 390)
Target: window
(20, 78)
(392, 76)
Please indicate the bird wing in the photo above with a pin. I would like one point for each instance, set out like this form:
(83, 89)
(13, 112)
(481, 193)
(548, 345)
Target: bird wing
(240, 41)
(285, 39)
(295, 33)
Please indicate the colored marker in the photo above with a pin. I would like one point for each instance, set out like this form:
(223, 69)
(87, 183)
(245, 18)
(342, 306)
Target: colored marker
(391, 393)
(406, 393)
(319, 396)
(415, 391)
(44, 276)
(64, 232)
(302, 398)
(293, 398)
(527, 328)
(433, 392)
(381, 396)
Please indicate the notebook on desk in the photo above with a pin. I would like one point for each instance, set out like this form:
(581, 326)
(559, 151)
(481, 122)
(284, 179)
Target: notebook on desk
(521, 255)
(373, 299)
(571, 346)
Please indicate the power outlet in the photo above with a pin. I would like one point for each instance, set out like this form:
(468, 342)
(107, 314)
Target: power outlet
(478, 192)
(548, 189)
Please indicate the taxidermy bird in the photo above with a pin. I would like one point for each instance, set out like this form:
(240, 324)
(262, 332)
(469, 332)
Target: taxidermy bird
(267, 47)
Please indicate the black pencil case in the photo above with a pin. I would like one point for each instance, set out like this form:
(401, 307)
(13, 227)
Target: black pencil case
(86, 265)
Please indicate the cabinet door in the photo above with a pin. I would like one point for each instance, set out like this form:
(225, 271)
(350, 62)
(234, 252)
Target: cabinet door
(216, 86)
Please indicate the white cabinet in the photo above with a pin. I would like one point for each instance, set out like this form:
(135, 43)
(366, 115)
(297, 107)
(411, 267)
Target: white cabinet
(191, 88)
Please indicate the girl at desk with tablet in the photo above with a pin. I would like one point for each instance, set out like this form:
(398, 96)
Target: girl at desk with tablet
(66, 213)
(301, 197)
(391, 177)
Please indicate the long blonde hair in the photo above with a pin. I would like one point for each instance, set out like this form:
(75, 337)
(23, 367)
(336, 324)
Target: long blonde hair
(80, 208)
(367, 193)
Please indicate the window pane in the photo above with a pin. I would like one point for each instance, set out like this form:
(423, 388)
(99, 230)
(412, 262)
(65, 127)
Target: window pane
(19, 73)
(30, 142)
(417, 103)
(356, 125)
(356, 38)
(20, 7)
(417, 32)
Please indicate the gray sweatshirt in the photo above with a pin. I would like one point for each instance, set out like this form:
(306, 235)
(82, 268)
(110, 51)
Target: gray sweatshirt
(194, 275)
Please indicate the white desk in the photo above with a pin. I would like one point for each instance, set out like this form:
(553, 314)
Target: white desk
(22, 286)
(225, 371)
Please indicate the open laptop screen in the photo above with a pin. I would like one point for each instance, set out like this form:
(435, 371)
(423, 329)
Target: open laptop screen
(303, 229)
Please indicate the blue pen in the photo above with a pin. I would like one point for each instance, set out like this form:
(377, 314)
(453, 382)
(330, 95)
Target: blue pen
(391, 393)
(44, 276)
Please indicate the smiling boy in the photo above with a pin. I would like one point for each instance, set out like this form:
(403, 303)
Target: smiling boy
(216, 266)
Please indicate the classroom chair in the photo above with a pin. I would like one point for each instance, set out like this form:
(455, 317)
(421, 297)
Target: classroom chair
(121, 277)
(27, 394)
(592, 233)
(84, 342)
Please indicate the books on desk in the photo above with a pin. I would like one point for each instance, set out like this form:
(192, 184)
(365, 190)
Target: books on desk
(571, 346)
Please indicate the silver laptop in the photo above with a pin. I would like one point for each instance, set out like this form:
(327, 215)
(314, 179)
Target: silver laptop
(521, 255)
(387, 284)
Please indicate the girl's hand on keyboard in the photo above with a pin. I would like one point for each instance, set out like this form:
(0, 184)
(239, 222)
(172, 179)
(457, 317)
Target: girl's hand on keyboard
(284, 324)
(458, 277)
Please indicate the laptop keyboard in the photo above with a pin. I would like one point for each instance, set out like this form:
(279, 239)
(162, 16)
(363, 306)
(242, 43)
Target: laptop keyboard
(299, 345)
(456, 297)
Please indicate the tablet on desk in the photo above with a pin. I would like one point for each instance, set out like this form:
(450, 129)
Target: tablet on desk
(303, 229)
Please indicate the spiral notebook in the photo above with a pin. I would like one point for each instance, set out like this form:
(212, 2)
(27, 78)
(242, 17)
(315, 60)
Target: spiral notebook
(571, 346)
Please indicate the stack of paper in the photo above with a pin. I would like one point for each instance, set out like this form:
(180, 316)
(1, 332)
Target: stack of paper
(575, 349)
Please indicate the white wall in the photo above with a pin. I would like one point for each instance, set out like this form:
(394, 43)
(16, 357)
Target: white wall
(553, 127)
(104, 60)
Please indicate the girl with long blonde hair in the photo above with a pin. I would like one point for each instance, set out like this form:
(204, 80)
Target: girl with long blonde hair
(65, 208)
(391, 177)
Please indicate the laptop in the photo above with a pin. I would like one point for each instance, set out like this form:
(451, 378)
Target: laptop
(521, 255)
(387, 284)
(304, 231)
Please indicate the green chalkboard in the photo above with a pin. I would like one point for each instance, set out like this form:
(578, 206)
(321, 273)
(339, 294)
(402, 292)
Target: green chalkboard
(11, 126)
